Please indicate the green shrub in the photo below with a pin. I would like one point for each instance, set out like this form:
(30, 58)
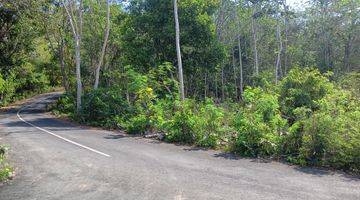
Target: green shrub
(101, 106)
(140, 121)
(209, 126)
(2, 90)
(5, 169)
(160, 79)
(195, 123)
(2, 83)
(162, 112)
(351, 82)
(8, 90)
(331, 136)
(181, 126)
(137, 124)
(259, 124)
(65, 105)
(302, 88)
(21, 82)
(292, 141)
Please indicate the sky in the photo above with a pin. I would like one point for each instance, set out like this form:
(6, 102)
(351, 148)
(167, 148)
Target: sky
(297, 4)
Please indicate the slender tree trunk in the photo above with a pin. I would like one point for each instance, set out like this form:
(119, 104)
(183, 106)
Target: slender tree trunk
(222, 83)
(62, 54)
(77, 31)
(278, 60)
(286, 23)
(178, 51)
(216, 86)
(78, 59)
(205, 85)
(256, 59)
(106, 36)
(241, 67)
(347, 54)
(78, 74)
(235, 73)
(65, 82)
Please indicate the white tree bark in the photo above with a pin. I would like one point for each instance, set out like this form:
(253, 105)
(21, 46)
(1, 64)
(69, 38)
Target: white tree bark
(178, 51)
(106, 37)
(77, 31)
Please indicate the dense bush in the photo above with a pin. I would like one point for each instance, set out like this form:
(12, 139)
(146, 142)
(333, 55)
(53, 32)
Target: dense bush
(302, 88)
(210, 125)
(331, 135)
(65, 105)
(141, 119)
(201, 124)
(306, 119)
(351, 82)
(181, 126)
(101, 107)
(22, 82)
(8, 89)
(259, 124)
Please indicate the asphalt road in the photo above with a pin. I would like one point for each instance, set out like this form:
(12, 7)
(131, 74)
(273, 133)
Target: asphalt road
(59, 160)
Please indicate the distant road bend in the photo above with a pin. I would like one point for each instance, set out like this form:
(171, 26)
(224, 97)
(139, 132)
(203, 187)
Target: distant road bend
(59, 160)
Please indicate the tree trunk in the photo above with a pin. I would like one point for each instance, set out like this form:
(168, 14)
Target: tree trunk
(65, 82)
(235, 74)
(222, 83)
(106, 36)
(205, 85)
(178, 51)
(278, 60)
(241, 68)
(286, 23)
(216, 86)
(78, 74)
(77, 31)
(347, 54)
(256, 60)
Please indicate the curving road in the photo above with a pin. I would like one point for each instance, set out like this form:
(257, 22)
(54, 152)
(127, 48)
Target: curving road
(59, 160)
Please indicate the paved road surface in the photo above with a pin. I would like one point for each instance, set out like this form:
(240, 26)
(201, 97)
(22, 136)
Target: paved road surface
(58, 160)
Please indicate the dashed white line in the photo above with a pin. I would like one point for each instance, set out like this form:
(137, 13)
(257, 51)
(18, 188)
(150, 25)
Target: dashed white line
(58, 136)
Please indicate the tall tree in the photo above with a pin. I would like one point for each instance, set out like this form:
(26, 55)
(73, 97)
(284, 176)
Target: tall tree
(241, 67)
(76, 27)
(106, 37)
(55, 30)
(278, 14)
(254, 36)
(278, 59)
(178, 51)
(286, 24)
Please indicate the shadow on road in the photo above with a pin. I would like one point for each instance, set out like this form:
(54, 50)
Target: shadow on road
(307, 170)
(326, 172)
(114, 136)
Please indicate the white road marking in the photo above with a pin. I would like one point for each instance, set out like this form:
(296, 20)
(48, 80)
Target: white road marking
(58, 136)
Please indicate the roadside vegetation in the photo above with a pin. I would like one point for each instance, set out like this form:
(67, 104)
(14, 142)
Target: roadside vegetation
(5, 169)
(256, 78)
(306, 119)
